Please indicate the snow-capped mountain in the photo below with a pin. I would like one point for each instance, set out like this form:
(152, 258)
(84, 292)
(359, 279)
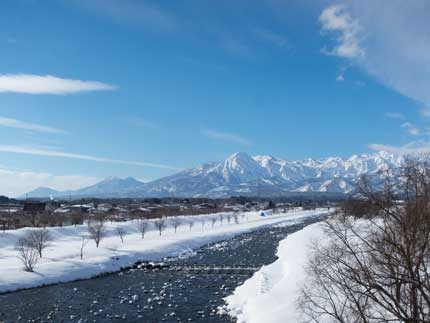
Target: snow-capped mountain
(242, 174)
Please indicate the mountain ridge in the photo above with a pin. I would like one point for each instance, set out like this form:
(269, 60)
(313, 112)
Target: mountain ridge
(242, 174)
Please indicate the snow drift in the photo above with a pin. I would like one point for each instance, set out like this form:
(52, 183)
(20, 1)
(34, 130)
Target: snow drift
(270, 295)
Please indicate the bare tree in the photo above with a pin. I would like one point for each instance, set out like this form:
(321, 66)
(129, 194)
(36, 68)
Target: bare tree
(39, 240)
(27, 254)
(84, 242)
(121, 233)
(221, 218)
(143, 226)
(203, 222)
(77, 217)
(242, 216)
(213, 221)
(160, 224)
(236, 217)
(375, 270)
(96, 230)
(229, 216)
(190, 223)
(176, 222)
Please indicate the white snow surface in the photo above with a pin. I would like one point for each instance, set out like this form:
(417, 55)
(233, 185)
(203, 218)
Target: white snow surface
(270, 295)
(61, 260)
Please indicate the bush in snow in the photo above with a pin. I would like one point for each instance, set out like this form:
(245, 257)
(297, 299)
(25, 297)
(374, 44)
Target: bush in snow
(143, 226)
(160, 224)
(27, 254)
(203, 222)
(96, 230)
(176, 222)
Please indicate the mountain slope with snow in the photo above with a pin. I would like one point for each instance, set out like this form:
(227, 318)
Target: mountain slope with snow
(242, 174)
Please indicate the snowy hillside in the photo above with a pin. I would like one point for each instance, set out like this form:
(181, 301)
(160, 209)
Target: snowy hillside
(241, 174)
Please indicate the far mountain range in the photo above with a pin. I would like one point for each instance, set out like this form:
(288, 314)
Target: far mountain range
(245, 175)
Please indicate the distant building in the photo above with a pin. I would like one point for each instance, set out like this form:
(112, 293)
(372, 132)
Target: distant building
(34, 207)
(34, 210)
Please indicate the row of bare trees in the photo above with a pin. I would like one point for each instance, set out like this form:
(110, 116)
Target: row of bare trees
(31, 246)
(374, 266)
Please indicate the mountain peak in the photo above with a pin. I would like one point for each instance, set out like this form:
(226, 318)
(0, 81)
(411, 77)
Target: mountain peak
(111, 179)
(239, 156)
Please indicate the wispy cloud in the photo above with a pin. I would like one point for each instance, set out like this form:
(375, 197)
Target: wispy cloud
(336, 19)
(18, 124)
(39, 151)
(18, 182)
(48, 84)
(412, 148)
(225, 136)
(141, 122)
(425, 112)
(394, 115)
(144, 13)
(411, 129)
(271, 37)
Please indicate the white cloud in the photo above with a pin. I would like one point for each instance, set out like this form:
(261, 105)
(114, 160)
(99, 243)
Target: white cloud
(336, 19)
(396, 45)
(18, 124)
(40, 151)
(411, 129)
(394, 115)
(412, 148)
(16, 183)
(340, 78)
(224, 136)
(48, 84)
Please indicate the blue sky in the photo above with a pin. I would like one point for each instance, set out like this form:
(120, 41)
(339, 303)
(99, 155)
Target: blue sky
(98, 88)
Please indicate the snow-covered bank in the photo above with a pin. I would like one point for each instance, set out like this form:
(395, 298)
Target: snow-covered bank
(270, 295)
(61, 260)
